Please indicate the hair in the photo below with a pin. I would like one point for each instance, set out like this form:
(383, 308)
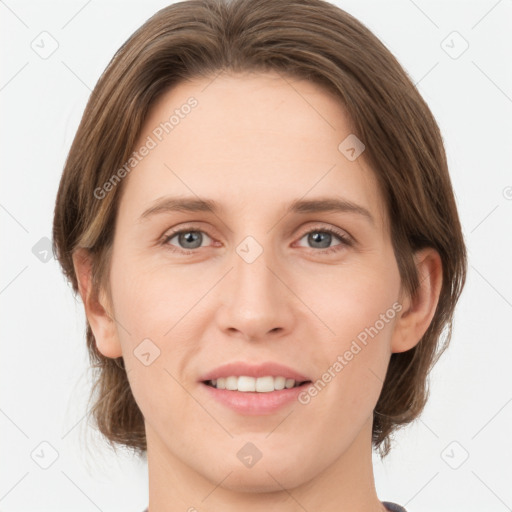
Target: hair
(305, 39)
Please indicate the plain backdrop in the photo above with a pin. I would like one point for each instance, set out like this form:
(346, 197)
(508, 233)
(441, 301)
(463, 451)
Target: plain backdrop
(457, 456)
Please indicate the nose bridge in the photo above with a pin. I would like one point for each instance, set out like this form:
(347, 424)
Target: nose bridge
(257, 301)
(254, 283)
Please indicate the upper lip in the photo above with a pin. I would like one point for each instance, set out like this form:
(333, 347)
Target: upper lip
(265, 369)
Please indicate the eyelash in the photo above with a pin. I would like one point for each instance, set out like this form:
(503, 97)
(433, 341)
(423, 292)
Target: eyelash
(346, 241)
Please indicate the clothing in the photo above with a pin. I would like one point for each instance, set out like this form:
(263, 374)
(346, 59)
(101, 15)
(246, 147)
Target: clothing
(392, 507)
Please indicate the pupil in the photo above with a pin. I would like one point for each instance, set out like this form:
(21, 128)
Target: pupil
(189, 237)
(318, 235)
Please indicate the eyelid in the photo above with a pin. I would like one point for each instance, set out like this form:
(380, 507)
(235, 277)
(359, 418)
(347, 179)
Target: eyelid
(342, 233)
(176, 231)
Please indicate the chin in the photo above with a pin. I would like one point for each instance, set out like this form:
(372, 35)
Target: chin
(258, 480)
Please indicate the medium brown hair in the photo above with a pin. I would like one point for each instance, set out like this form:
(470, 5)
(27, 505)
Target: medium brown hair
(305, 39)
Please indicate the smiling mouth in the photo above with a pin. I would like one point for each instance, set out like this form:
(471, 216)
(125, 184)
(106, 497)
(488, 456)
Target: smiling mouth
(246, 384)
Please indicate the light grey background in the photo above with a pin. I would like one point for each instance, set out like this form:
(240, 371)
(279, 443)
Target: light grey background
(44, 366)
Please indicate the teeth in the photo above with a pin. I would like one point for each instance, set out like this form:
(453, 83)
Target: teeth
(248, 384)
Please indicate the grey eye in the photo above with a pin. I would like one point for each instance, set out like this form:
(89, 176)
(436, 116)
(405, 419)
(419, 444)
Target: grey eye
(189, 238)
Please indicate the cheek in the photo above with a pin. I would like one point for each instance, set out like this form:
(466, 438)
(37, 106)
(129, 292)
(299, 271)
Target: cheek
(366, 314)
(151, 303)
(149, 300)
(350, 299)
(360, 308)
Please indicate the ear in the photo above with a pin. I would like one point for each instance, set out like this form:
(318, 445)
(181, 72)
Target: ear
(417, 312)
(97, 309)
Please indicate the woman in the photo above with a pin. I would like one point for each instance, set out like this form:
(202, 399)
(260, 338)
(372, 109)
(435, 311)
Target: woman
(257, 213)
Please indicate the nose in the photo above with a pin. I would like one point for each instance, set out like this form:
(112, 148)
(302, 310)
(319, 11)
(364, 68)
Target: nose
(256, 301)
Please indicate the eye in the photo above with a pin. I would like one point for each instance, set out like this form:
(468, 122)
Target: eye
(187, 238)
(190, 239)
(322, 238)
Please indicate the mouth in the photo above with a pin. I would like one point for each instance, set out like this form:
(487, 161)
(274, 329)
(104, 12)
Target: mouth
(250, 396)
(254, 389)
(248, 384)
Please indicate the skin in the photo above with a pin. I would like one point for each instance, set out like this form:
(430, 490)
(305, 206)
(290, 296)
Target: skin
(255, 143)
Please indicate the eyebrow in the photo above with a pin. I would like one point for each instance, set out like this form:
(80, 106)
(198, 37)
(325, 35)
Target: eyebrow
(301, 206)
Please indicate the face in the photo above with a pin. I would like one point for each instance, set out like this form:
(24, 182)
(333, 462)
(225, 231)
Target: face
(262, 280)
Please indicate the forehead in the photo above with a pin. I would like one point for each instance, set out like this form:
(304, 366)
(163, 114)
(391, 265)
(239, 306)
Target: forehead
(249, 141)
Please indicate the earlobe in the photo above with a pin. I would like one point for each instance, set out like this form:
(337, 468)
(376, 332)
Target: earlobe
(418, 311)
(96, 309)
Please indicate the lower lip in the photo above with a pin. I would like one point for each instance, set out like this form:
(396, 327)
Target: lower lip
(254, 403)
